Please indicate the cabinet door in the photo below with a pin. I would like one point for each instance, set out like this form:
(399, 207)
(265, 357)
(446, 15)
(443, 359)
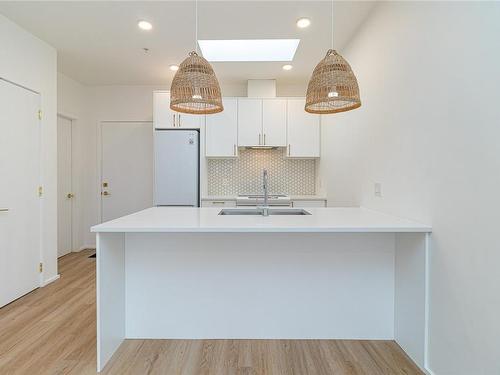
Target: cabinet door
(274, 122)
(187, 121)
(303, 131)
(305, 204)
(221, 131)
(249, 122)
(163, 116)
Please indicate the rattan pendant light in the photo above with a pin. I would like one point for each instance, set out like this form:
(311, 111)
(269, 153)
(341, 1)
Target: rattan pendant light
(333, 87)
(195, 88)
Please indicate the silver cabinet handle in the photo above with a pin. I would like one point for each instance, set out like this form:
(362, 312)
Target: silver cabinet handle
(289, 147)
(4, 209)
(173, 119)
(234, 150)
(264, 138)
(179, 121)
(259, 138)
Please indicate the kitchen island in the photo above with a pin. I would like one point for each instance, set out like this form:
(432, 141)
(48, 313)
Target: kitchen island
(190, 273)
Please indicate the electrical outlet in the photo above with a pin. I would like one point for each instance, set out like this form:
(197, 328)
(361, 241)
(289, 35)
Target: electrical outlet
(377, 189)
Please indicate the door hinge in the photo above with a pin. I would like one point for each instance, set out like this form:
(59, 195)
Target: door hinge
(40, 267)
(39, 114)
(40, 191)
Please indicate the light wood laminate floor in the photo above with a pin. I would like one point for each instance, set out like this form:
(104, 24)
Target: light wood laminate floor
(53, 331)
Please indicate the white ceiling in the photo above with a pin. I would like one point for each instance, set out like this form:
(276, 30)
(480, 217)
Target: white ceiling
(98, 43)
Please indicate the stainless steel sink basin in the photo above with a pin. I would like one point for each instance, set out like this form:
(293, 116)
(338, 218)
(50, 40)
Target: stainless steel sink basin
(260, 212)
(288, 211)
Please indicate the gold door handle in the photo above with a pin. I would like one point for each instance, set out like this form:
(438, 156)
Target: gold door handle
(4, 209)
(70, 195)
(105, 193)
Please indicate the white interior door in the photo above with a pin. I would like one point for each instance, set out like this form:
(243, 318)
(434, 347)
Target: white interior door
(19, 181)
(64, 186)
(127, 168)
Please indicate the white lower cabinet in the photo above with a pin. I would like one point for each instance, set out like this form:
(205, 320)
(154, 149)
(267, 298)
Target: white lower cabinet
(218, 203)
(221, 131)
(303, 131)
(312, 203)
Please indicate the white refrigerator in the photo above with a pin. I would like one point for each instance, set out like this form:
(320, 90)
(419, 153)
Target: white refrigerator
(177, 167)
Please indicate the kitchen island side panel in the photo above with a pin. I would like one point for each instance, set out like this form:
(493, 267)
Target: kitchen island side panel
(260, 285)
(110, 295)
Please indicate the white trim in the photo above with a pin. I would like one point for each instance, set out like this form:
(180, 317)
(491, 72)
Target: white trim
(50, 280)
(67, 116)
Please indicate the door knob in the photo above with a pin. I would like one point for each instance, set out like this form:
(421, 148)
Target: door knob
(70, 195)
(105, 193)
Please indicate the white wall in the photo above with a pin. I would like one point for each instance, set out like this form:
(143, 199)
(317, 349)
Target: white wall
(28, 61)
(429, 132)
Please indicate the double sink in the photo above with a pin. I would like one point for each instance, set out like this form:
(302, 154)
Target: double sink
(263, 211)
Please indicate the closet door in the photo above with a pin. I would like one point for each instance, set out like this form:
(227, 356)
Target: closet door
(19, 201)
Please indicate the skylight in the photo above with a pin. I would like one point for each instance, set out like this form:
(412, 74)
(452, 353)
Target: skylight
(249, 49)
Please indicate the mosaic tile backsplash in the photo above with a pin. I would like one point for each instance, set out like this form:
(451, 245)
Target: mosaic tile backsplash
(243, 175)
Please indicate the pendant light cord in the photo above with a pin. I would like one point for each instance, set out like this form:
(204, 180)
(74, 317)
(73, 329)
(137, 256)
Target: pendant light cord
(196, 26)
(332, 24)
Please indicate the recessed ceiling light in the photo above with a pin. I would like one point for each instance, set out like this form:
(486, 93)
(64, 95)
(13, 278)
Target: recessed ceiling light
(303, 22)
(287, 67)
(174, 68)
(144, 25)
(249, 49)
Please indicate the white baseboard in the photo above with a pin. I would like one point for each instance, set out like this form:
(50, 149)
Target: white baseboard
(50, 280)
(84, 247)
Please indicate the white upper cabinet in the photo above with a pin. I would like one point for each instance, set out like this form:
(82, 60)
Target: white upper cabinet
(303, 131)
(187, 121)
(221, 131)
(249, 122)
(165, 118)
(274, 122)
(261, 122)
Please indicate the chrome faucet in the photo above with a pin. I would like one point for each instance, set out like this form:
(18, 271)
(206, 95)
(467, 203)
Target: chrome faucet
(265, 186)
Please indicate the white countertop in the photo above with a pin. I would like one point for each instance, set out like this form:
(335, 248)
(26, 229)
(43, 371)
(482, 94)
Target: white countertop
(189, 220)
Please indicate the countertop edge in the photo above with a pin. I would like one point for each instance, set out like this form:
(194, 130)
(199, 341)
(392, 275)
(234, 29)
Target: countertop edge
(262, 230)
